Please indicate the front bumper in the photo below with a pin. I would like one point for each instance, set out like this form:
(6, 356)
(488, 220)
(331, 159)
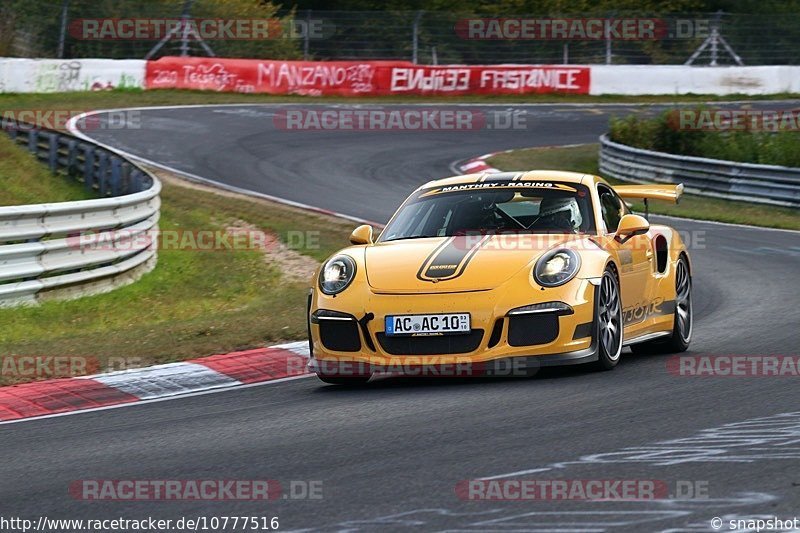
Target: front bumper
(347, 333)
(515, 366)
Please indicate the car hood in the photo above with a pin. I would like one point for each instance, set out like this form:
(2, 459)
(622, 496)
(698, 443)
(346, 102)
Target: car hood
(453, 264)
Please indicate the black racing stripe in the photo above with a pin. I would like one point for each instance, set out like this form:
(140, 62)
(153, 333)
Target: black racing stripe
(449, 260)
(432, 256)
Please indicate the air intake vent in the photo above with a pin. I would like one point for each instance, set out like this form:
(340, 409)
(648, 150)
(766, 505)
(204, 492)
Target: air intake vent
(497, 332)
(530, 330)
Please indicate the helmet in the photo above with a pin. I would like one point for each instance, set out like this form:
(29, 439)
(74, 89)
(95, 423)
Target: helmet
(561, 212)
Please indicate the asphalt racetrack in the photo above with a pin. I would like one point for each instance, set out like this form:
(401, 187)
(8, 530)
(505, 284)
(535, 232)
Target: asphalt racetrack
(389, 456)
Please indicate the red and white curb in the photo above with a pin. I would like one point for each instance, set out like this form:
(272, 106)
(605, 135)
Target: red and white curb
(477, 165)
(61, 396)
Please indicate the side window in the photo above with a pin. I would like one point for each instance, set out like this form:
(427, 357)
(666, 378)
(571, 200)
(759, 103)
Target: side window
(612, 208)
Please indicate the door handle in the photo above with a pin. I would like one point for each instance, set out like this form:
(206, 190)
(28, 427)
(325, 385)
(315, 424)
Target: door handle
(649, 255)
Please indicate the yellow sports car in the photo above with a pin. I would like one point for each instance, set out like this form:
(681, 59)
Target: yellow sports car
(500, 274)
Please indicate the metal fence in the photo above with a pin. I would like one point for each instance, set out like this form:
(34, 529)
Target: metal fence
(47, 28)
(768, 184)
(70, 249)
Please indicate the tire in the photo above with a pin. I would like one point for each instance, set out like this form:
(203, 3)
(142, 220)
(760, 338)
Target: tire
(683, 322)
(344, 380)
(608, 322)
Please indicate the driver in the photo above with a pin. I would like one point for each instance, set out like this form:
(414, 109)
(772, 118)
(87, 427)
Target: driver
(560, 214)
(479, 213)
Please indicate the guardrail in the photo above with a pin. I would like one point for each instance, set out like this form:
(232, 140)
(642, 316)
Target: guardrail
(767, 184)
(71, 249)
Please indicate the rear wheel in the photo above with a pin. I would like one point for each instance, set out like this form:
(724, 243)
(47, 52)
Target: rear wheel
(608, 313)
(344, 380)
(682, 323)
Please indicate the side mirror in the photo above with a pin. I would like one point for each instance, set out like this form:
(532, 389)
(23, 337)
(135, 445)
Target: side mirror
(361, 235)
(630, 226)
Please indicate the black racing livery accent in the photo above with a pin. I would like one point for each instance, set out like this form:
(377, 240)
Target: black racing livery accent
(449, 259)
(362, 322)
(668, 307)
(583, 330)
(497, 332)
(638, 313)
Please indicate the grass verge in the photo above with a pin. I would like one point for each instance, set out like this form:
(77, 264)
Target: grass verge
(583, 158)
(25, 180)
(195, 303)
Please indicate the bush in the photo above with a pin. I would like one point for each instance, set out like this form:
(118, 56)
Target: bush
(664, 134)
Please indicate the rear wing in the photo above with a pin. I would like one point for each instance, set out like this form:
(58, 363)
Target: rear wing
(668, 193)
(655, 191)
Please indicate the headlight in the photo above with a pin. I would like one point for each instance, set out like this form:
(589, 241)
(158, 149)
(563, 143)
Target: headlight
(337, 274)
(556, 268)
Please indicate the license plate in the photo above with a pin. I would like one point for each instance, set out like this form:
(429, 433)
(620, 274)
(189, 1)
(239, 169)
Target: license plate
(444, 324)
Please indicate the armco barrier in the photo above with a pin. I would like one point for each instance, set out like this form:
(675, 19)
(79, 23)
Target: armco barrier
(768, 184)
(70, 249)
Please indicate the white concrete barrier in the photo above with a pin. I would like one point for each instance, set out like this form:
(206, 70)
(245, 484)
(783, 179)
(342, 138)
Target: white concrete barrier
(678, 79)
(65, 75)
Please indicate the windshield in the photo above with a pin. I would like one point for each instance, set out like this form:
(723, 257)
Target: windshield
(494, 207)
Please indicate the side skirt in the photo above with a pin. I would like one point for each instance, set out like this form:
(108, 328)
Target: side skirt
(646, 337)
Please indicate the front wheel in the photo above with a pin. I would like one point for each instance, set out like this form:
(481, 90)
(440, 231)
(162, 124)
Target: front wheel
(682, 323)
(608, 315)
(344, 380)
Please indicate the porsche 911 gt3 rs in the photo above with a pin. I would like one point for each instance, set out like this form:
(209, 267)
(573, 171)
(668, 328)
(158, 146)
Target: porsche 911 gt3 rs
(502, 273)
